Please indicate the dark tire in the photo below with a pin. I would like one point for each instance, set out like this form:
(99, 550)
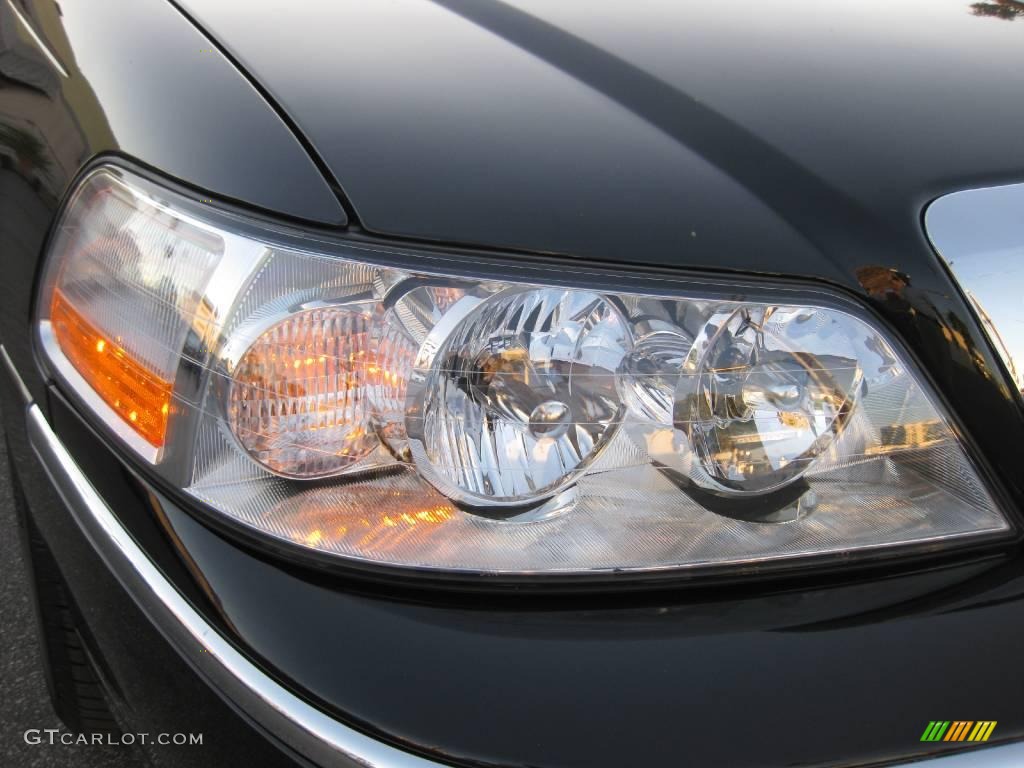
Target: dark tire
(76, 692)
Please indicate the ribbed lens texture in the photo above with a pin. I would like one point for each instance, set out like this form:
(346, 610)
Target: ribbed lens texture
(522, 395)
(297, 400)
(389, 384)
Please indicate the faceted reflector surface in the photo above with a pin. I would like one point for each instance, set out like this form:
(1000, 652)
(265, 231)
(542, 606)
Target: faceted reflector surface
(297, 400)
(521, 395)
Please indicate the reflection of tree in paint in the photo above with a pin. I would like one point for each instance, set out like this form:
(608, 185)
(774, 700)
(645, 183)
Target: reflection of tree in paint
(1008, 10)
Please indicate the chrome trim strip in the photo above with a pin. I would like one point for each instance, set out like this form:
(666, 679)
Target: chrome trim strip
(306, 729)
(16, 379)
(1009, 755)
(979, 233)
(43, 47)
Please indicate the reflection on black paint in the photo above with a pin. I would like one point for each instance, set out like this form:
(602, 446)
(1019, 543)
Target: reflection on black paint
(43, 138)
(892, 291)
(1007, 10)
(880, 282)
(28, 151)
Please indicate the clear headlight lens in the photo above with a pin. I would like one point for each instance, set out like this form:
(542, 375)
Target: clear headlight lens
(465, 423)
(519, 396)
(766, 390)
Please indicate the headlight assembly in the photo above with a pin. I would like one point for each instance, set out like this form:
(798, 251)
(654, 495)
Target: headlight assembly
(415, 412)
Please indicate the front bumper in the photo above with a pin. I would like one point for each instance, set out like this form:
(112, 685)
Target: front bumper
(303, 731)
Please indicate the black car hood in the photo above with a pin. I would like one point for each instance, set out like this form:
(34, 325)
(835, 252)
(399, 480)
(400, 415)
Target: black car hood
(745, 136)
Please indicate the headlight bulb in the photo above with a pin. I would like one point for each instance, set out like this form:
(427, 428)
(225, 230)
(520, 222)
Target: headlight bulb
(765, 391)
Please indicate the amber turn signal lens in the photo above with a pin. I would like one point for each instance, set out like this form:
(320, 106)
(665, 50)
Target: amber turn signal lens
(138, 396)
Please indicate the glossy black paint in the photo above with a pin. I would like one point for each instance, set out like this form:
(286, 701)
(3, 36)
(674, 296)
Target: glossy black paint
(662, 133)
(143, 81)
(796, 140)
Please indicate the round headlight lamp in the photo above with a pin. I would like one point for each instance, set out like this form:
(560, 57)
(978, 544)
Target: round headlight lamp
(519, 397)
(764, 392)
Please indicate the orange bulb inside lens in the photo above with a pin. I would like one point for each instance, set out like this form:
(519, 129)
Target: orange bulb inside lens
(140, 397)
(298, 400)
